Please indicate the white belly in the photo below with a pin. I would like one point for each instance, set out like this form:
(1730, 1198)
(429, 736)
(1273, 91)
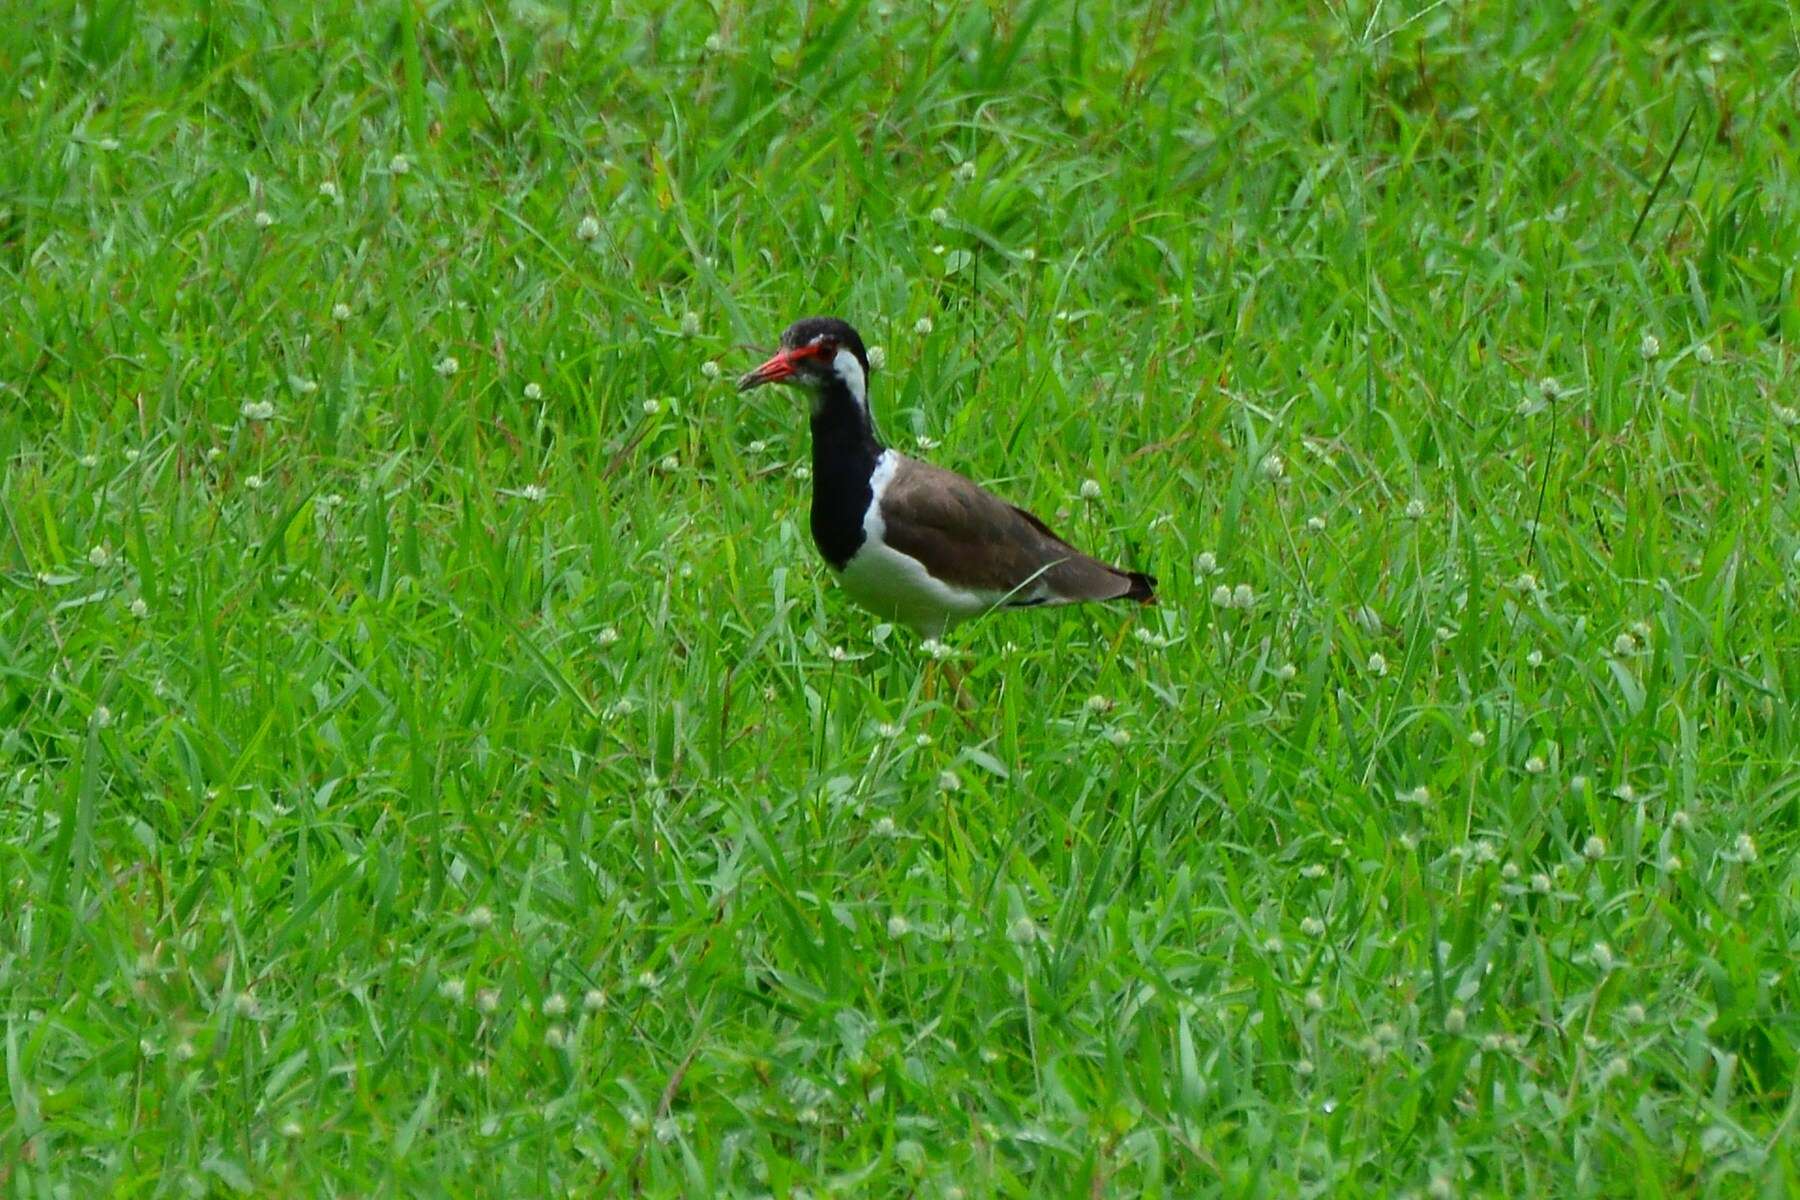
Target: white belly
(897, 586)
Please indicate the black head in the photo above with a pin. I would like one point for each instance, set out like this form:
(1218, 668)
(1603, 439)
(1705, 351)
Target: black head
(816, 353)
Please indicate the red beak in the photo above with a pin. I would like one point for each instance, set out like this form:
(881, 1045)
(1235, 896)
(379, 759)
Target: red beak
(779, 367)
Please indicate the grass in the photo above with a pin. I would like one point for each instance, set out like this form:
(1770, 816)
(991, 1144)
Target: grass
(434, 761)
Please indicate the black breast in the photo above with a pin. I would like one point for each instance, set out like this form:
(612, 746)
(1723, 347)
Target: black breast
(844, 453)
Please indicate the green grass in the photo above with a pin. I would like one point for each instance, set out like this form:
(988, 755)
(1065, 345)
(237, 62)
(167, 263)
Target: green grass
(420, 781)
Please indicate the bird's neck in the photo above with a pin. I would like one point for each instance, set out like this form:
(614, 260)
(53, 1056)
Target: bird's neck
(841, 428)
(844, 452)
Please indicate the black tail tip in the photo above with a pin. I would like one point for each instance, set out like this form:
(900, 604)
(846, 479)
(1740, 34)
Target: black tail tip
(1143, 587)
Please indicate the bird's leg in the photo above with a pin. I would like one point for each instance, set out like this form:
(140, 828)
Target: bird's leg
(964, 701)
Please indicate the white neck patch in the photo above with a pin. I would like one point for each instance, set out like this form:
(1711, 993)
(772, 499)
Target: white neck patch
(851, 372)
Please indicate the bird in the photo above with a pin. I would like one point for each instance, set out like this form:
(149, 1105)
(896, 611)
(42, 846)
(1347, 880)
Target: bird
(910, 542)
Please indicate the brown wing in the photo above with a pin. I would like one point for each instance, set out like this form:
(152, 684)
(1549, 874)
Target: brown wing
(968, 537)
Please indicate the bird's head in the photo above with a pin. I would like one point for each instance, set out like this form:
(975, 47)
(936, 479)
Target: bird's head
(816, 354)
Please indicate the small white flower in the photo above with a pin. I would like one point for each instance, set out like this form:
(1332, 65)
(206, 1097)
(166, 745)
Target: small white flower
(937, 649)
(1316, 524)
(1624, 645)
(802, 473)
(1415, 509)
(90, 460)
(447, 366)
(1273, 467)
(1378, 664)
(214, 453)
(1745, 848)
(1540, 883)
(329, 190)
(184, 1050)
(1243, 596)
(898, 927)
(305, 387)
(103, 716)
(1477, 738)
(757, 447)
(925, 443)
(646, 979)
(480, 917)
(948, 781)
(965, 171)
(140, 608)
(1312, 926)
(1286, 672)
(690, 324)
(885, 828)
(1207, 563)
(709, 369)
(1535, 765)
(1314, 1000)
(1632, 1014)
(1090, 489)
(940, 216)
(254, 482)
(670, 464)
(1456, 1020)
(1221, 596)
(99, 556)
(292, 1129)
(1603, 956)
(257, 410)
(1650, 347)
(1703, 354)
(1785, 415)
(534, 391)
(593, 1000)
(132, 454)
(1023, 931)
(1313, 871)
(922, 326)
(1594, 849)
(877, 358)
(713, 43)
(340, 311)
(1526, 582)
(1118, 736)
(889, 730)
(556, 1004)
(263, 219)
(453, 990)
(1550, 387)
(837, 654)
(488, 1000)
(588, 228)
(1273, 945)
(1028, 254)
(1534, 659)
(533, 492)
(399, 164)
(607, 636)
(1099, 704)
(556, 1037)
(652, 407)
(1680, 821)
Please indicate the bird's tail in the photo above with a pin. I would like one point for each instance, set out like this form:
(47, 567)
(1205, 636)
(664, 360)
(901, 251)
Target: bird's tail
(1142, 589)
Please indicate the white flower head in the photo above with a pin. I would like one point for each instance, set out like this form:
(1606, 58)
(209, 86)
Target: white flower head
(1378, 664)
(534, 391)
(690, 324)
(1415, 509)
(922, 326)
(965, 171)
(1221, 596)
(1650, 347)
(593, 1000)
(1744, 850)
(1243, 596)
(1273, 467)
(940, 216)
(1594, 849)
(652, 406)
(1207, 563)
(1286, 672)
(709, 369)
(556, 1004)
(447, 366)
(254, 482)
(329, 191)
(607, 636)
(257, 410)
(263, 219)
(877, 358)
(1624, 645)
(340, 311)
(949, 781)
(588, 228)
(140, 608)
(898, 927)
(1023, 931)
(399, 165)
(1090, 489)
(1703, 354)
(99, 556)
(1535, 765)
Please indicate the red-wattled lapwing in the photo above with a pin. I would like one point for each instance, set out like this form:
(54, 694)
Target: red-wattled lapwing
(911, 542)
